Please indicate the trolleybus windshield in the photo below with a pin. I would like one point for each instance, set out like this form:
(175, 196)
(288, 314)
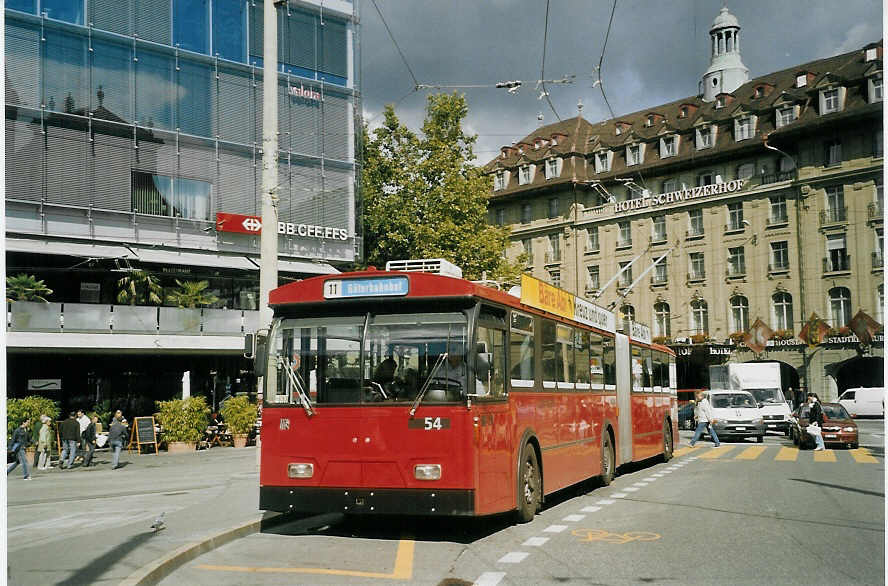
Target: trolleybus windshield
(334, 360)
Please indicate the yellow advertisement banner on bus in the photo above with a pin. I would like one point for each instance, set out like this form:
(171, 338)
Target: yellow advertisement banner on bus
(544, 296)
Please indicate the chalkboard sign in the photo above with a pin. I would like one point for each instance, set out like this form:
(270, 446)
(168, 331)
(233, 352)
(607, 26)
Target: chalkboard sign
(143, 433)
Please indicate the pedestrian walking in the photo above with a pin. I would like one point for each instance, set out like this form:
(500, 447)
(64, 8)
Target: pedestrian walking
(83, 421)
(703, 415)
(36, 426)
(21, 439)
(69, 430)
(116, 438)
(89, 438)
(815, 418)
(44, 443)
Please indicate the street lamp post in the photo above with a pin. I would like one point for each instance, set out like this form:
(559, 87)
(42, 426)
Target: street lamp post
(268, 250)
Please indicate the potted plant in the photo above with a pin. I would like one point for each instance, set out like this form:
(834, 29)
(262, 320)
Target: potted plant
(32, 407)
(183, 422)
(737, 337)
(239, 415)
(191, 294)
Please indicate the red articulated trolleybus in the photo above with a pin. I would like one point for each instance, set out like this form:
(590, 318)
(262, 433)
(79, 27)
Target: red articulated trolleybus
(408, 392)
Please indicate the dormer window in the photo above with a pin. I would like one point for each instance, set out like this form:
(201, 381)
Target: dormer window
(618, 131)
(801, 80)
(554, 141)
(650, 120)
(499, 180)
(553, 168)
(602, 161)
(830, 101)
(719, 103)
(705, 138)
(744, 128)
(668, 146)
(872, 54)
(634, 154)
(785, 115)
(758, 92)
(525, 174)
(874, 85)
(683, 113)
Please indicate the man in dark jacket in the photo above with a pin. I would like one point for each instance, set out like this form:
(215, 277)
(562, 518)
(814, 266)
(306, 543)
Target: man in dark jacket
(815, 417)
(21, 438)
(69, 430)
(89, 439)
(116, 439)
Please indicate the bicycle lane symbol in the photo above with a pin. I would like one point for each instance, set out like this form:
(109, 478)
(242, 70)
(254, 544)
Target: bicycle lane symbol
(589, 535)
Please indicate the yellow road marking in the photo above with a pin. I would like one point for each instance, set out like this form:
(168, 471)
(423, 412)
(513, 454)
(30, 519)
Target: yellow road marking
(787, 455)
(684, 450)
(717, 452)
(751, 453)
(403, 569)
(620, 538)
(825, 456)
(862, 456)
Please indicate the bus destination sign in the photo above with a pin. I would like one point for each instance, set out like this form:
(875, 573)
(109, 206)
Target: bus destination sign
(542, 295)
(373, 287)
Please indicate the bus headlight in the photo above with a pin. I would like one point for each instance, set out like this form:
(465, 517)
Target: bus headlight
(427, 471)
(300, 470)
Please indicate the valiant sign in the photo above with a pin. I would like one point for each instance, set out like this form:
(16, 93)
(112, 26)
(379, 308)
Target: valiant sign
(242, 224)
(678, 196)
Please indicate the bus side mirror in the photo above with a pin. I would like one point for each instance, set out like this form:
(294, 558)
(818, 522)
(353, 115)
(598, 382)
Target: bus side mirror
(249, 346)
(256, 347)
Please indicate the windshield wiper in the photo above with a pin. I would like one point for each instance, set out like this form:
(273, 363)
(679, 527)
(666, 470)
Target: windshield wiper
(294, 379)
(428, 381)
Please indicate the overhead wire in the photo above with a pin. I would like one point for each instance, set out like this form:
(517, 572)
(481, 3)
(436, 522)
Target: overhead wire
(392, 37)
(543, 67)
(601, 60)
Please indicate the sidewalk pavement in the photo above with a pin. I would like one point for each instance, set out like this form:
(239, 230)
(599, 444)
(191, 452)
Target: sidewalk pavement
(93, 525)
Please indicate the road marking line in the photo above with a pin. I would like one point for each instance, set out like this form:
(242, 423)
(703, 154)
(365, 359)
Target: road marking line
(619, 495)
(751, 453)
(787, 455)
(631, 489)
(862, 456)
(649, 479)
(606, 502)
(667, 471)
(554, 528)
(641, 484)
(513, 557)
(590, 509)
(683, 451)
(489, 579)
(403, 569)
(825, 456)
(717, 453)
(536, 541)
(574, 518)
(657, 475)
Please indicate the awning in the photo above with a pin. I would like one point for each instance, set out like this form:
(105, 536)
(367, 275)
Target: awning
(161, 255)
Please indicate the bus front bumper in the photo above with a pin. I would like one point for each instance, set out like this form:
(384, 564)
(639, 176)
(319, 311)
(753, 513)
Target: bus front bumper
(365, 501)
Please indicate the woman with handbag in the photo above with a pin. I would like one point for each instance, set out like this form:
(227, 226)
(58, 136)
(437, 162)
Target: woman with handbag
(44, 440)
(815, 420)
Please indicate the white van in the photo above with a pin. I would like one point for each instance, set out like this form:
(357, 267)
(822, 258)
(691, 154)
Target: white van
(736, 414)
(862, 401)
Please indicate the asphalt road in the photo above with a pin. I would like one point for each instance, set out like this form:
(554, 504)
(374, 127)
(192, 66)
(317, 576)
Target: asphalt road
(743, 514)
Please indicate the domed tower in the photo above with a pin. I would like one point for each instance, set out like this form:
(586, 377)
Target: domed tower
(726, 71)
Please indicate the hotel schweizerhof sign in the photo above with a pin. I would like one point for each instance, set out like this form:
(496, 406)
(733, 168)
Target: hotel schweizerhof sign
(678, 196)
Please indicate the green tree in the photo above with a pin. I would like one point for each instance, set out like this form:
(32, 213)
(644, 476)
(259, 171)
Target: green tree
(139, 286)
(423, 198)
(192, 294)
(24, 287)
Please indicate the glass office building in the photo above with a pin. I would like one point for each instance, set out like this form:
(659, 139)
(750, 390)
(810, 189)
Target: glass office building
(130, 124)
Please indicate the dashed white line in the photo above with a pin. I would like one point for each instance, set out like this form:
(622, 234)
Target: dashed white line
(513, 557)
(641, 484)
(536, 541)
(590, 509)
(631, 489)
(574, 518)
(649, 479)
(657, 475)
(619, 495)
(554, 528)
(489, 579)
(606, 502)
(667, 471)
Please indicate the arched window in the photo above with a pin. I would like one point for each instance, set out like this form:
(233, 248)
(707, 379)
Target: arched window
(699, 317)
(839, 306)
(739, 313)
(628, 315)
(782, 311)
(662, 327)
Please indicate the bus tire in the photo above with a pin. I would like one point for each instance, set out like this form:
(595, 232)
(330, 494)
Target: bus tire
(608, 459)
(667, 441)
(530, 485)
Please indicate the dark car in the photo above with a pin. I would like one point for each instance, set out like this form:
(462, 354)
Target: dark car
(838, 427)
(686, 416)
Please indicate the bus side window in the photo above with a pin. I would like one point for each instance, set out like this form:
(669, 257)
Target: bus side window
(610, 363)
(521, 351)
(596, 361)
(490, 362)
(648, 370)
(581, 346)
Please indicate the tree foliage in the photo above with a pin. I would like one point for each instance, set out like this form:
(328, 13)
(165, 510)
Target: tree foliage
(139, 286)
(424, 199)
(24, 287)
(192, 294)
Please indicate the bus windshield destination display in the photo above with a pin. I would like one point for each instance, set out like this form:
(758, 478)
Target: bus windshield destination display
(376, 287)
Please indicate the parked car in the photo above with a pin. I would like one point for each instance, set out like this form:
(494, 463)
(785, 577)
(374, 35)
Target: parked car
(686, 416)
(862, 401)
(736, 414)
(838, 427)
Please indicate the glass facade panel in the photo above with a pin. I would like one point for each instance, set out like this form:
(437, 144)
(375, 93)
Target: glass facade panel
(195, 103)
(23, 5)
(65, 79)
(191, 25)
(67, 10)
(154, 90)
(230, 29)
(160, 195)
(111, 74)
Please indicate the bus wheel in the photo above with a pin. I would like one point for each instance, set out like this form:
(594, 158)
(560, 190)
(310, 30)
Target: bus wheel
(529, 473)
(608, 459)
(667, 441)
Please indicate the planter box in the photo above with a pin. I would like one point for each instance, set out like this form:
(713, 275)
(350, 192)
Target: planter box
(180, 447)
(240, 440)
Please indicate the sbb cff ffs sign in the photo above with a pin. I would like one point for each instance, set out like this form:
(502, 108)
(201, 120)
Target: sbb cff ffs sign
(241, 224)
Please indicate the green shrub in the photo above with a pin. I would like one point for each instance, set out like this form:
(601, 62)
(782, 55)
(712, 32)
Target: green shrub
(183, 420)
(239, 414)
(32, 407)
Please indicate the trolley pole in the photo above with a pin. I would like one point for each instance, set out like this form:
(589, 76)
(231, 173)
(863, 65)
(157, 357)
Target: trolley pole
(268, 253)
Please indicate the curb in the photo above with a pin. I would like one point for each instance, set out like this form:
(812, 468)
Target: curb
(155, 571)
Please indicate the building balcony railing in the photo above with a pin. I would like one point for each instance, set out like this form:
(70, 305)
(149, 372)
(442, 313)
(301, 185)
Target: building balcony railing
(878, 260)
(694, 233)
(776, 177)
(778, 220)
(833, 216)
(738, 227)
(659, 279)
(593, 249)
(778, 267)
(874, 211)
(737, 270)
(553, 257)
(624, 243)
(27, 316)
(832, 264)
(697, 276)
(658, 238)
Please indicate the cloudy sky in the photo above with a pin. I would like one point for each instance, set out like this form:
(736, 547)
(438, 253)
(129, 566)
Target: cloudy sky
(656, 53)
